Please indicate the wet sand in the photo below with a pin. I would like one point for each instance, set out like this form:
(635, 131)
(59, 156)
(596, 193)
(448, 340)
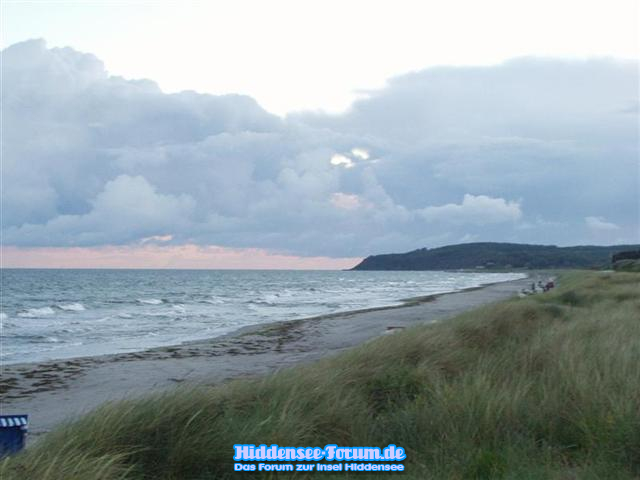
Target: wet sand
(55, 391)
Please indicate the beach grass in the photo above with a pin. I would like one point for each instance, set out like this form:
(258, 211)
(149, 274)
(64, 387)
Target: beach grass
(542, 387)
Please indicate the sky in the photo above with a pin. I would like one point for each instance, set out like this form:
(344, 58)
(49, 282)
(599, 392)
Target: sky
(317, 55)
(311, 134)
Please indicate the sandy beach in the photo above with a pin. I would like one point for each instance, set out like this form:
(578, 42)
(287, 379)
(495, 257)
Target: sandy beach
(55, 391)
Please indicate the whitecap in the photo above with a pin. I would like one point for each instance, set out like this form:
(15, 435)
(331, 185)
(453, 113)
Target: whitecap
(37, 312)
(267, 299)
(73, 330)
(150, 301)
(214, 301)
(3, 316)
(73, 307)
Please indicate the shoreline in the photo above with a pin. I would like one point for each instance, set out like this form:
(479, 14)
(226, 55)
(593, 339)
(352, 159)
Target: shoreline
(252, 328)
(58, 390)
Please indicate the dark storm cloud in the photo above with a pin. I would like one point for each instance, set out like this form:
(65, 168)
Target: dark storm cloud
(532, 150)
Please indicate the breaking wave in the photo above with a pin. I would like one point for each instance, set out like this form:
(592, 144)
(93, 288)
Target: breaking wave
(37, 312)
(150, 301)
(72, 307)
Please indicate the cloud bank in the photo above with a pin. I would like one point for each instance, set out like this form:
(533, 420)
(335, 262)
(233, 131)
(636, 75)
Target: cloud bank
(532, 150)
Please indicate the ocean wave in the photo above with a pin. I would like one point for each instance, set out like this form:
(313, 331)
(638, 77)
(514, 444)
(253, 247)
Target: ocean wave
(72, 307)
(121, 314)
(3, 316)
(24, 337)
(151, 301)
(213, 301)
(37, 312)
(253, 303)
(33, 338)
(267, 299)
(72, 330)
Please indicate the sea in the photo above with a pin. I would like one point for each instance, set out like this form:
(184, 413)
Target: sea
(60, 314)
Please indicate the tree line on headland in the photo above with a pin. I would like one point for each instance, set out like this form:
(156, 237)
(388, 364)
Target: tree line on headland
(490, 255)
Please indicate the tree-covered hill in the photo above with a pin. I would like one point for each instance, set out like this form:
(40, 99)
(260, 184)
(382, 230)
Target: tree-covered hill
(495, 255)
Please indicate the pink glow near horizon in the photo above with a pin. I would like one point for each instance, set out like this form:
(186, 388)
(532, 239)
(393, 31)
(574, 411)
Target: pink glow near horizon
(165, 256)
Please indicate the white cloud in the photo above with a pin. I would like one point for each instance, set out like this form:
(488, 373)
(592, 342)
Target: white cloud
(157, 239)
(346, 201)
(474, 210)
(339, 159)
(360, 153)
(599, 223)
(128, 208)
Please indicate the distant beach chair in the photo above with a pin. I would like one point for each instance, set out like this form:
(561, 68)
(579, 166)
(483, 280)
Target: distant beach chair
(13, 429)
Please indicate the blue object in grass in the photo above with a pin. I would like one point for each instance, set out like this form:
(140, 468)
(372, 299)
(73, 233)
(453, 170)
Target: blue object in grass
(13, 429)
